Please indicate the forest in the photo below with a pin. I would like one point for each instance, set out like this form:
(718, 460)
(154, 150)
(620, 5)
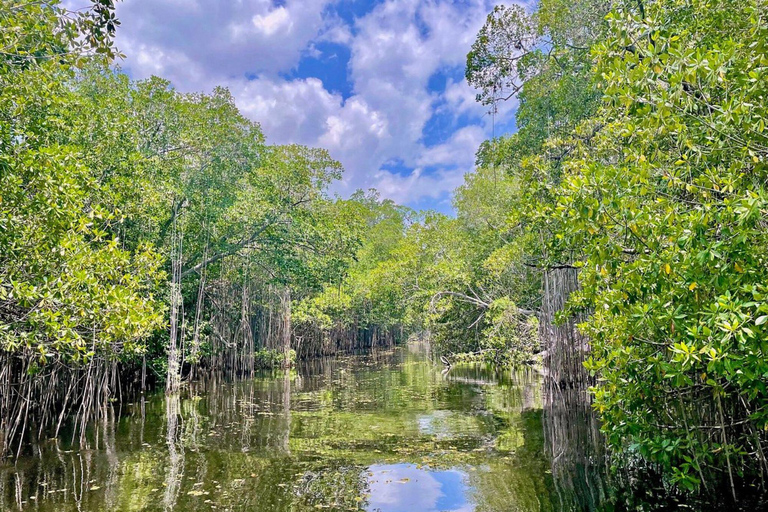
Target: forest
(616, 242)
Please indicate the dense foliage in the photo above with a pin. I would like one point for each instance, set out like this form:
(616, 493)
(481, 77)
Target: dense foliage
(670, 207)
(139, 224)
(657, 193)
(145, 228)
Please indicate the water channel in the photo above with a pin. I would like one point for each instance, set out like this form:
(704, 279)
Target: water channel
(386, 432)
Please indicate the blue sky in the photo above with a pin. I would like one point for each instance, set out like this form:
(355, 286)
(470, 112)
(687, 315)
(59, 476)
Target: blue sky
(380, 84)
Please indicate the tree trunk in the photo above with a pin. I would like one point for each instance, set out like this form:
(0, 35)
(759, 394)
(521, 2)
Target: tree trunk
(285, 309)
(173, 380)
(565, 347)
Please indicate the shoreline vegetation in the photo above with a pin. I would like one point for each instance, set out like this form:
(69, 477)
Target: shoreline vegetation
(618, 238)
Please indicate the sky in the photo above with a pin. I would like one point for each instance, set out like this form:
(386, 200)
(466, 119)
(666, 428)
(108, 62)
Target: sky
(379, 83)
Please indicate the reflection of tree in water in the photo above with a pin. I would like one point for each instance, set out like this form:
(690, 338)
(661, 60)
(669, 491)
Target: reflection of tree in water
(293, 441)
(286, 417)
(576, 449)
(175, 451)
(108, 426)
(559, 464)
(60, 477)
(518, 482)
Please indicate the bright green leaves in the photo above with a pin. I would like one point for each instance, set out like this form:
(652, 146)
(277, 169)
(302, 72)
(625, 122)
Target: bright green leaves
(659, 195)
(369, 293)
(498, 57)
(667, 204)
(70, 291)
(39, 34)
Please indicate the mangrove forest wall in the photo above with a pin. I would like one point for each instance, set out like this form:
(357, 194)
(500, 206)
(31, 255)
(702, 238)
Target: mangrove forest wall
(617, 238)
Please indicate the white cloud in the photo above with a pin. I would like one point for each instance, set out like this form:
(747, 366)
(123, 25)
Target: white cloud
(227, 40)
(276, 19)
(460, 99)
(335, 30)
(247, 45)
(459, 150)
(417, 186)
(288, 111)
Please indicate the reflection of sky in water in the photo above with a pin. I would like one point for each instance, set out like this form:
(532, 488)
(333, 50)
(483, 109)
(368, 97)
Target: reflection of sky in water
(406, 488)
(446, 424)
(434, 423)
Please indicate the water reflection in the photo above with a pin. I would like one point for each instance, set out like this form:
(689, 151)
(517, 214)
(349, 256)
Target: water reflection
(575, 446)
(384, 432)
(175, 472)
(407, 487)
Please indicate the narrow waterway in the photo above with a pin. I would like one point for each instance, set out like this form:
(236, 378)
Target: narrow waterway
(386, 432)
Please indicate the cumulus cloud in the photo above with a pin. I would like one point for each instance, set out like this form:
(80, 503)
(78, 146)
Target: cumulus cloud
(254, 47)
(417, 186)
(268, 24)
(459, 150)
(289, 111)
(223, 40)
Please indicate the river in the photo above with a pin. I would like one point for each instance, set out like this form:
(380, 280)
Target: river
(386, 432)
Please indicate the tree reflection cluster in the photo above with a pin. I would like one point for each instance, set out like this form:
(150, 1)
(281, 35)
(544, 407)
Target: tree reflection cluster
(356, 433)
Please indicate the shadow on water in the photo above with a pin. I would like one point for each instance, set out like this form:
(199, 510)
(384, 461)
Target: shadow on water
(380, 432)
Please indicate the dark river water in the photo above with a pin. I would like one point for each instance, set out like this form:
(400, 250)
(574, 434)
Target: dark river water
(385, 432)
